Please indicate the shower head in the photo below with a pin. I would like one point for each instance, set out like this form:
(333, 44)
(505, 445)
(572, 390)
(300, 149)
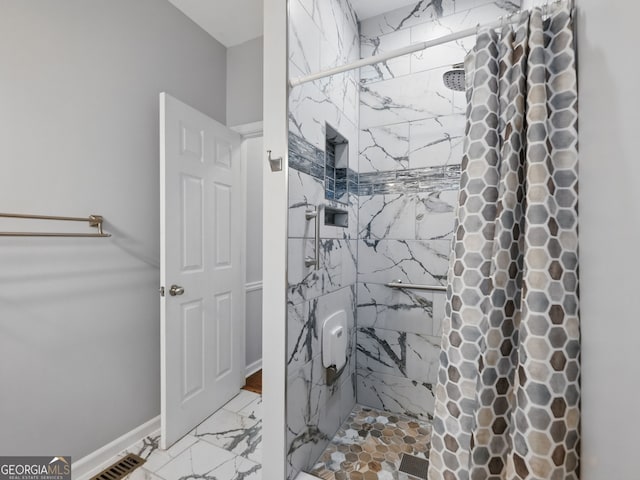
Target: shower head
(454, 79)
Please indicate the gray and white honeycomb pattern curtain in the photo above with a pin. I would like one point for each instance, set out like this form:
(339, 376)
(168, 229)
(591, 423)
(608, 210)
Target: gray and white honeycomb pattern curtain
(508, 392)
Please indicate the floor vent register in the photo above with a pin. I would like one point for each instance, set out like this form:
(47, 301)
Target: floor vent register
(121, 468)
(414, 466)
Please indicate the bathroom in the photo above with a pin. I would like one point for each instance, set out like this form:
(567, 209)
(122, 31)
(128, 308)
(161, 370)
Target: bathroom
(391, 215)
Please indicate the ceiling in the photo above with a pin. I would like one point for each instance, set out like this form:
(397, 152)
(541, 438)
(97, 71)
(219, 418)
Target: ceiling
(231, 22)
(370, 8)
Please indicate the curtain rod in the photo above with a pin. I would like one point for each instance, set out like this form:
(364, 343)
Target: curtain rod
(509, 19)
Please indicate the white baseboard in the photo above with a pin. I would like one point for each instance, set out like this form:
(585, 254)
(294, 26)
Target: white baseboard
(95, 462)
(253, 367)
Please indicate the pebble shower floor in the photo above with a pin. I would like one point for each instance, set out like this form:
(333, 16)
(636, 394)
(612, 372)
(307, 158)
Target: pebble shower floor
(370, 444)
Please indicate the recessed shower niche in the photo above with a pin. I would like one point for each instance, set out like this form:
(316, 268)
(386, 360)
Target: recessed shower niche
(336, 166)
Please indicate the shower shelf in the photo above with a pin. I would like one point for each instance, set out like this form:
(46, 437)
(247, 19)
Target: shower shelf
(336, 217)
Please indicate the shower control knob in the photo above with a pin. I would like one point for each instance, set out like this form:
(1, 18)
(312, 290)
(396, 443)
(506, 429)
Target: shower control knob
(176, 290)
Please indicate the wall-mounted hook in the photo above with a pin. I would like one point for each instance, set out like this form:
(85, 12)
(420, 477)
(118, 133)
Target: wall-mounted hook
(274, 163)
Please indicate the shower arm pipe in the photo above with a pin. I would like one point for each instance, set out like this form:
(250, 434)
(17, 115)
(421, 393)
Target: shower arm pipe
(383, 57)
(415, 286)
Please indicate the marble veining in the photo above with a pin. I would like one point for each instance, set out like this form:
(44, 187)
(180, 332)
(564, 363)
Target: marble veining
(405, 17)
(337, 268)
(302, 335)
(387, 216)
(384, 148)
(425, 11)
(304, 43)
(315, 409)
(324, 34)
(376, 45)
(410, 355)
(307, 193)
(408, 216)
(306, 319)
(304, 323)
(315, 104)
(205, 461)
(429, 142)
(231, 450)
(235, 433)
(404, 310)
(386, 353)
(408, 98)
(395, 393)
(411, 261)
(436, 141)
(379, 35)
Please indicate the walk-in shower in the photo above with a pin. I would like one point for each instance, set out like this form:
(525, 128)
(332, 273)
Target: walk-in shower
(394, 93)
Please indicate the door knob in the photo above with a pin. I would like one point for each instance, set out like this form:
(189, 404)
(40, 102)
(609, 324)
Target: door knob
(176, 290)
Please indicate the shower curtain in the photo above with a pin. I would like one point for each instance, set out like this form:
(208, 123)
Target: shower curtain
(508, 392)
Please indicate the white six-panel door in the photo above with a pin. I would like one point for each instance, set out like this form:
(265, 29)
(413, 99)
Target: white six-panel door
(202, 271)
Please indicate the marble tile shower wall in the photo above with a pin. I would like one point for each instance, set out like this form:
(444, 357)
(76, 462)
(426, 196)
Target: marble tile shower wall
(411, 138)
(322, 34)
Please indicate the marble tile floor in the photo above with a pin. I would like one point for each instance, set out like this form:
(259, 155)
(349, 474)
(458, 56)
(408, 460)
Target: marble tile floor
(226, 446)
(369, 446)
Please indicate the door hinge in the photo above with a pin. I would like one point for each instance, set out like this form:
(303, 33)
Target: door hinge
(161, 290)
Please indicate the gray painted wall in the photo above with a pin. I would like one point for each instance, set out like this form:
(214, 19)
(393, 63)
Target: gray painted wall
(609, 238)
(244, 82)
(79, 318)
(244, 105)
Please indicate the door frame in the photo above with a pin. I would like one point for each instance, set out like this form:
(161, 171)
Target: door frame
(274, 260)
(248, 131)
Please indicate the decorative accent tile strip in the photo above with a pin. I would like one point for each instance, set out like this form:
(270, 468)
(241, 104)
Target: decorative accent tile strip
(309, 159)
(427, 179)
(305, 157)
